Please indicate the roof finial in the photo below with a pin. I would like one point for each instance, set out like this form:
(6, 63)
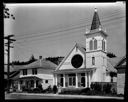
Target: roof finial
(96, 21)
(95, 9)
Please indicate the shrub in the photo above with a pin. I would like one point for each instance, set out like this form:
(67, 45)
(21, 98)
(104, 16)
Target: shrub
(49, 89)
(107, 88)
(70, 91)
(96, 86)
(36, 90)
(86, 91)
(55, 89)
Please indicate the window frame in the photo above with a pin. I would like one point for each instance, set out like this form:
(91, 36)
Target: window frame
(46, 81)
(34, 71)
(91, 45)
(93, 60)
(24, 71)
(95, 44)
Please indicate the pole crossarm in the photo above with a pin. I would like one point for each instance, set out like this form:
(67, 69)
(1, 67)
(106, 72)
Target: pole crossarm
(8, 38)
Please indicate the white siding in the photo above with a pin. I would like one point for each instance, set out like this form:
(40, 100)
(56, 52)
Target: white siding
(67, 63)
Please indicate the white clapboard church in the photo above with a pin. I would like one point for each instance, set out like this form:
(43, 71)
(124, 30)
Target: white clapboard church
(86, 63)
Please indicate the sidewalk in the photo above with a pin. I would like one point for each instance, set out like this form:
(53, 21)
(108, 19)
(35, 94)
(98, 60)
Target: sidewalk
(72, 96)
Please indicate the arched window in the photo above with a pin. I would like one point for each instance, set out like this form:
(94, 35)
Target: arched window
(103, 45)
(91, 45)
(95, 44)
(93, 60)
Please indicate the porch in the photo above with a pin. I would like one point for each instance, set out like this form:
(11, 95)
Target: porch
(78, 78)
(30, 82)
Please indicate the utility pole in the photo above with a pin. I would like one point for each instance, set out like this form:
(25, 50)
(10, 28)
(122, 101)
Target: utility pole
(8, 38)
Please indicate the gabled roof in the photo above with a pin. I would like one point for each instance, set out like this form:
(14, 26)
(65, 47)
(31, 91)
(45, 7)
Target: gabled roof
(112, 63)
(122, 61)
(110, 67)
(41, 63)
(77, 45)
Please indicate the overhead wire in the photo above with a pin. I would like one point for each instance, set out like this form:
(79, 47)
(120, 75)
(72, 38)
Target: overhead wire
(82, 20)
(70, 35)
(78, 27)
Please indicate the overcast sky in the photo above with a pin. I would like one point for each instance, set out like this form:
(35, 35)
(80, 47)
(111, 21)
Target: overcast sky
(53, 29)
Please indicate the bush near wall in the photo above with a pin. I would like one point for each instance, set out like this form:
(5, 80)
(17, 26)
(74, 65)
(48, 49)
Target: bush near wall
(72, 91)
(97, 88)
(104, 88)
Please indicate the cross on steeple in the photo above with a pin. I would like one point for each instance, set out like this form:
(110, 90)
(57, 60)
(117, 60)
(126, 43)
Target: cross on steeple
(96, 21)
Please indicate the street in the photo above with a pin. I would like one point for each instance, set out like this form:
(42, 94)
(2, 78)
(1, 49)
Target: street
(54, 96)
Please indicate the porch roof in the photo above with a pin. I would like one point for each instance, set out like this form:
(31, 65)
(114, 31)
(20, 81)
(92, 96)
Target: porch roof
(30, 78)
(74, 70)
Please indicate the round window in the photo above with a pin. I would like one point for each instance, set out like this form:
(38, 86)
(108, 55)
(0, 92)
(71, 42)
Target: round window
(77, 61)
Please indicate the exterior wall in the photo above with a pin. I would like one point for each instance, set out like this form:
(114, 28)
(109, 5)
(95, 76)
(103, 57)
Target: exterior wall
(44, 74)
(100, 65)
(99, 39)
(100, 58)
(67, 64)
(120, 83)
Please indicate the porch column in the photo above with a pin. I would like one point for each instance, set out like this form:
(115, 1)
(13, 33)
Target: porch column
(76, 80)
(18, 85)
(89, 78)
(85, 79)
(64, 80)
(34, 83)
(56, 79)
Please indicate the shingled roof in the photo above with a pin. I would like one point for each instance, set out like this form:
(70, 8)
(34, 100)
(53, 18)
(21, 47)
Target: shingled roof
(40, 63)
(111, 64)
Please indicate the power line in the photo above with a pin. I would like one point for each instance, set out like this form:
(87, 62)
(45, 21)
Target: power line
(82, 20)
(72, 34)
(78, 27)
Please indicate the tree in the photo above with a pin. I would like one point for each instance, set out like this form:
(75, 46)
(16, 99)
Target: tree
(7, 14)
(32, 59)
(111, 55)
(55, 60)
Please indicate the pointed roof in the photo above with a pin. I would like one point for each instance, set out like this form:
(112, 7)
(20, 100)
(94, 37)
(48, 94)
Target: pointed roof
(81, 47)
(96, 21)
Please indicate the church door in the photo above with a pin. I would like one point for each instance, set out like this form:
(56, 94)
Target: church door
(83, 81)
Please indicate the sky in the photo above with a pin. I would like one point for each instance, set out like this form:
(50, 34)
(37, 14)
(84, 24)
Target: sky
(52, 29)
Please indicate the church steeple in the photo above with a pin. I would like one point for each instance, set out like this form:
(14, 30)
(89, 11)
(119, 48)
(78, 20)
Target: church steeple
(96, 21)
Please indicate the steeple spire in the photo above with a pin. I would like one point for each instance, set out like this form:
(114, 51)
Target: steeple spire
(96, 21)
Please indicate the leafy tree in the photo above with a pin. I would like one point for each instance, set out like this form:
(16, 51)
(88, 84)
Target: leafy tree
(32, 59)
(7, 14)
(55, 60)
(111, 55)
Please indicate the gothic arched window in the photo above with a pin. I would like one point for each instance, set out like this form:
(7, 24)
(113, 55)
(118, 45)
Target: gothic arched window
(95, 44)
(103, 45)
(91, 45)
(93, 60)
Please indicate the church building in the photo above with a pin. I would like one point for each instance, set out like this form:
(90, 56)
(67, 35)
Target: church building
(86, 63)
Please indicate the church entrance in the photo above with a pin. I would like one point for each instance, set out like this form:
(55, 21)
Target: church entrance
(72, 79)
(83, 81)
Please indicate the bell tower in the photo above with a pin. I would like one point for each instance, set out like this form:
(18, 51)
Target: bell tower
(96, 48)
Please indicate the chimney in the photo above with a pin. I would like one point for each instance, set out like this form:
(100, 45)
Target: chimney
(40, 57)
